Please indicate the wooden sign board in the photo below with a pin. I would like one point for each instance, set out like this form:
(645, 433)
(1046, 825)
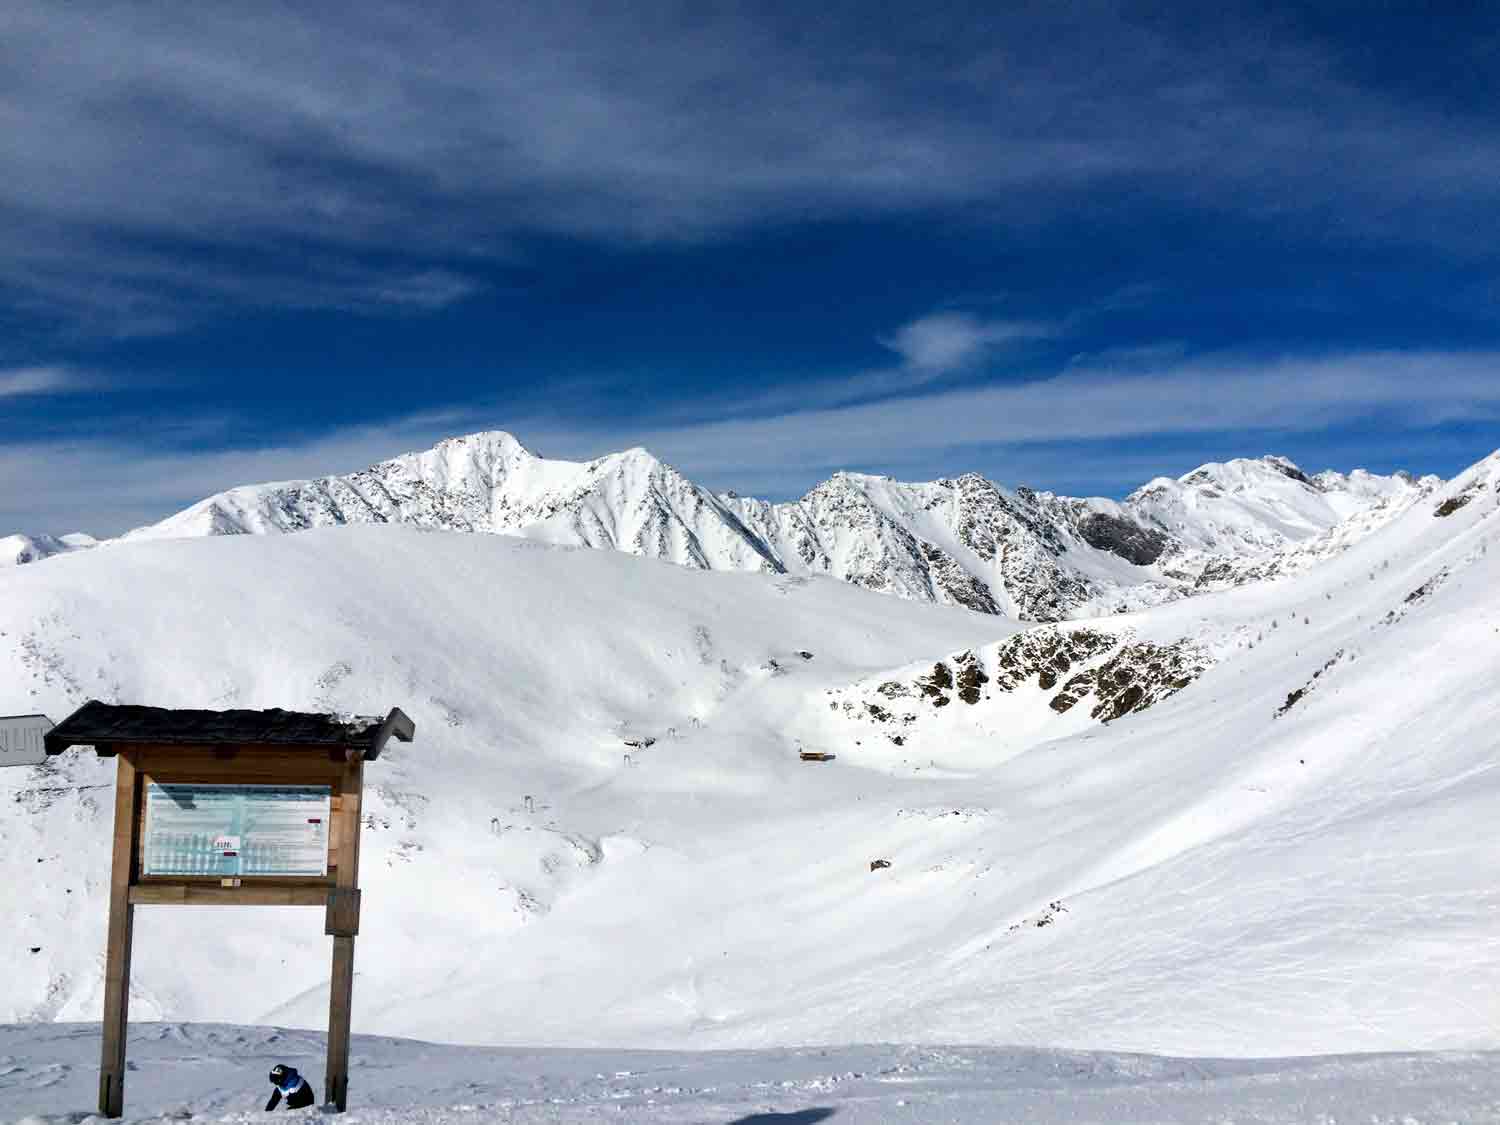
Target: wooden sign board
(232, 808)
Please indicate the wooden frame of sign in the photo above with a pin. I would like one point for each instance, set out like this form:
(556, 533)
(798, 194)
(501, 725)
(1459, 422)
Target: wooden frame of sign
(227, 750)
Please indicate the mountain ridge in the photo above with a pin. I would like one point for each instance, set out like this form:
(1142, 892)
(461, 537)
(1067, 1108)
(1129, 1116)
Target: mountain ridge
(1021, 553)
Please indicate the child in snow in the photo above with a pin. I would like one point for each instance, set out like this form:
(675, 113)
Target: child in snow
(287, 1081)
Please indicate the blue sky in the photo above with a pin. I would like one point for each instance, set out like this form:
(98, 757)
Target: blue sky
(1067, 245)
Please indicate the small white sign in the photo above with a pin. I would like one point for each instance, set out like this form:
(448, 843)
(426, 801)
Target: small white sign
(21, 739)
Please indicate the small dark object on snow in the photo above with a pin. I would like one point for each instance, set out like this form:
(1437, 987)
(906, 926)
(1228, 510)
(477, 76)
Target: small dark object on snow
(802, 652)
(36, 949)
(286, 1080)
(640, 743)
(877, 864)
(815, 756)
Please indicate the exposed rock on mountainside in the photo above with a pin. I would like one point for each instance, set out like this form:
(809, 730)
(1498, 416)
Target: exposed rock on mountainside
(1131, 541)
(1024, 554)
(1458, 500)
(1046, 654)
(1121, 675)
(1295, 697)
(1134, 678)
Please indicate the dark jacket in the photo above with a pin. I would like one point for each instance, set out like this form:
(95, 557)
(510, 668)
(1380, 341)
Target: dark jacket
(298, 1091)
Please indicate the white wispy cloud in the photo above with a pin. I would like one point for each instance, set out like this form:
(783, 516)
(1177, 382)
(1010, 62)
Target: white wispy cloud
(943, 342)
(1407, 391)
(901, 418)
(43, 380)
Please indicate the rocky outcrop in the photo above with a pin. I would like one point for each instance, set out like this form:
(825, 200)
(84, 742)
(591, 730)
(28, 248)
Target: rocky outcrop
(1460, 499)
(1133, 542)
(1133, 679)
(1112, 671)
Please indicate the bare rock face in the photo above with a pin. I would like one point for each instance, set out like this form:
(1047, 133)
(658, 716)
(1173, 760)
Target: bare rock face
(958, 586)
(1046, 654)
(1457, 501)
(1013, 537)
(1133, 542)
(971, 677)
(1109, 670)
(937, 684)
(1135, 677)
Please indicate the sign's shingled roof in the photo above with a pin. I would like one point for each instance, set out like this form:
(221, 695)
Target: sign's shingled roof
(109, 724)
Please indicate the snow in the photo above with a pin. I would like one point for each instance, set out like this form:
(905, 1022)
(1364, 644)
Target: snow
(18, 549)
(1239, 871)
(1256, 507)
(1018, 553)
(218, 1072)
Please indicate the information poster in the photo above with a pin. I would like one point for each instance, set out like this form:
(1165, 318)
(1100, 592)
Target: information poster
(233, 830)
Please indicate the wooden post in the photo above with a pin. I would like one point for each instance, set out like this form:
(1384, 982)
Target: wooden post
(341, 984)
(117, 951)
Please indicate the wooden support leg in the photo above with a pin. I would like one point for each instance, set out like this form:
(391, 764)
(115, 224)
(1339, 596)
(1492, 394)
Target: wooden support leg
(117, 951)
(343, 922)
(341, 997)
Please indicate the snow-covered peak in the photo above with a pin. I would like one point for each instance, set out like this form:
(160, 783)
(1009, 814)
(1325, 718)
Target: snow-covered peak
(489, 482)
(18, 549)
(1252, 507)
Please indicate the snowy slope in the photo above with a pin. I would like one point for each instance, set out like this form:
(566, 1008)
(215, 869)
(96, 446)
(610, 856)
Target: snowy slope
(1256, 507)
(1278, 856)
(217, 1072)
(525, 666)
(967, 542)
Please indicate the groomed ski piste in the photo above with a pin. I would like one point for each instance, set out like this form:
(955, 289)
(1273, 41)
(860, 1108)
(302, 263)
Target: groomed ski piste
(1286, 855)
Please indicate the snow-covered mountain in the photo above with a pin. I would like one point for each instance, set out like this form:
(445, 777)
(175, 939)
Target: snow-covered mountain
(18, 549)
(1028, 555)
(490, 482)
(1247, 822)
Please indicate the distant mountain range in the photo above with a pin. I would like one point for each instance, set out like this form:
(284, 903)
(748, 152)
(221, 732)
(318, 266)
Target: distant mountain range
(1020, 553)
